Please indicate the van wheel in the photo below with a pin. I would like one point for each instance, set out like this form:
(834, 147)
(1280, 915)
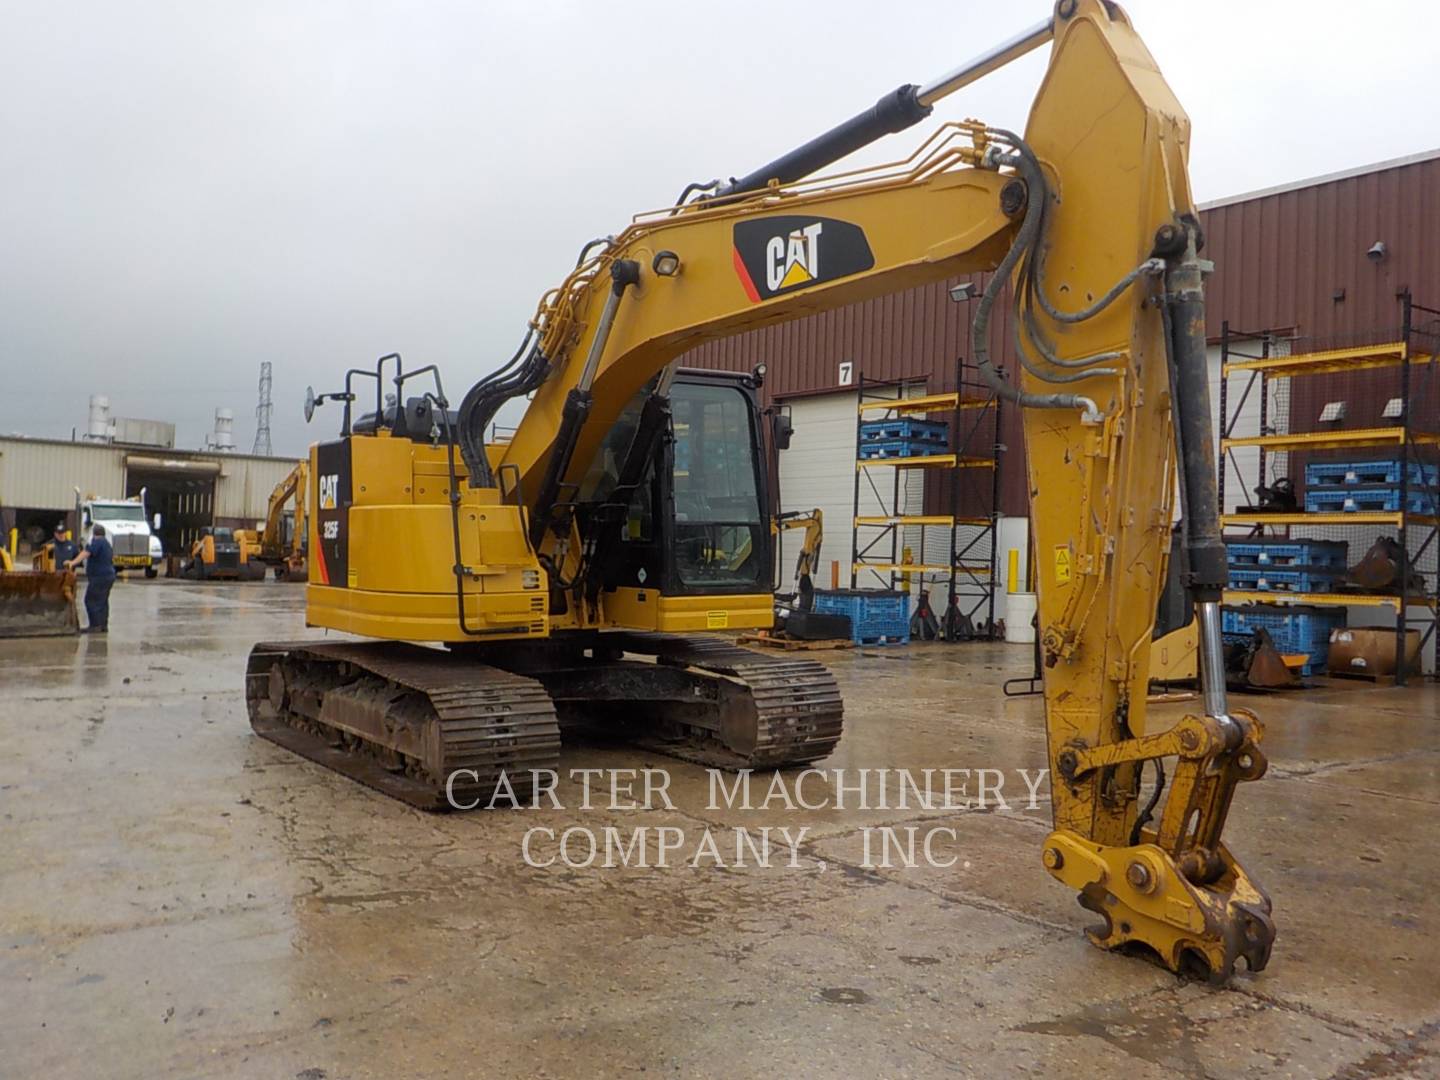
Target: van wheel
(151, 572)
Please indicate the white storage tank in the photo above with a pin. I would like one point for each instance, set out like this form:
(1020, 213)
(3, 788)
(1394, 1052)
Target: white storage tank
(224, 438)
(98, 427)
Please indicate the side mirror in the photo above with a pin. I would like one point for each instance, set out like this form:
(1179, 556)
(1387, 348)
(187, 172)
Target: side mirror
(310, 403)
(781, 430)
(155, 522)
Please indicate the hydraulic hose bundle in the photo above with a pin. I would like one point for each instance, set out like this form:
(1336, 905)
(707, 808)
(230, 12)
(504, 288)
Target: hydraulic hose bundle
(1030, 292)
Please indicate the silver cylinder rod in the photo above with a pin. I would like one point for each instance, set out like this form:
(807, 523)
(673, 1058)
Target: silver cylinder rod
(598, 343)
(1212, 661)
(991, 60)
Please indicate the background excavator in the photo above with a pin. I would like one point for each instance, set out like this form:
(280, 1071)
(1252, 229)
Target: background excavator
(282, 541)
(795, 616)
(561, 577)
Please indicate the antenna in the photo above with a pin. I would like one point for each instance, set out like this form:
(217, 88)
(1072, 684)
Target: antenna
(262, 414)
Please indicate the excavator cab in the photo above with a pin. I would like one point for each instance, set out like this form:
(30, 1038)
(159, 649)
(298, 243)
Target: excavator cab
(697, 523)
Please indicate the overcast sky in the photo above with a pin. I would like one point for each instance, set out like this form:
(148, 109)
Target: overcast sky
(189, 188)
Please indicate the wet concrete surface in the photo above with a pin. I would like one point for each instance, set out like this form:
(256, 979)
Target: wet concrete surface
(179, 898)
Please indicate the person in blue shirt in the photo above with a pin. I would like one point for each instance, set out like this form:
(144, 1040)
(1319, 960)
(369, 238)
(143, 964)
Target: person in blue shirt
(65, 549)
(99, 577)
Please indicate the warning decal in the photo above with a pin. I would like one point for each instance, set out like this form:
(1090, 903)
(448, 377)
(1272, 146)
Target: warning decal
(1062, 564)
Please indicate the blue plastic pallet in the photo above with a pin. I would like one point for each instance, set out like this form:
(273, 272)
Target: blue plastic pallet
(904, 427)
(900, 448)
(1283, 552)
(1294, 630)
(1359, 500)
(1384, 471)
(1280, 579)
(875, 614)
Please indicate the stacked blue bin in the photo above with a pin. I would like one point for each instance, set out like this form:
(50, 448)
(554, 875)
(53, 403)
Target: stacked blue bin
(1349, 487)
(877, 616)
(1278, 564)
(903, 437)
(1292, 629)
(1287, 565)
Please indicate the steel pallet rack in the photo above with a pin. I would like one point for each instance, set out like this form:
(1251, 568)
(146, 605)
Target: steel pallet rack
(1413, 434)
(969, 572)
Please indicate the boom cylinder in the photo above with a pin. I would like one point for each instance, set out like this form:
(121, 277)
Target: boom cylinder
(903, 107)
(894, 112)
(623, 274)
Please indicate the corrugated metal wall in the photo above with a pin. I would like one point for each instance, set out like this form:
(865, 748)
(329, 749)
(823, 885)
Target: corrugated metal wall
(1280, 259)
(245, 485)
(42, 474)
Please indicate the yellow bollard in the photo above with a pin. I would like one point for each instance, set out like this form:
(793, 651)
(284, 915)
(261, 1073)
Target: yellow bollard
(1012, 575)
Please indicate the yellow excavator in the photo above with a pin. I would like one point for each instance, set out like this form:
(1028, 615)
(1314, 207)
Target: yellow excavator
(574, 569)
(282, 544)
(806, 562)
(796, 619)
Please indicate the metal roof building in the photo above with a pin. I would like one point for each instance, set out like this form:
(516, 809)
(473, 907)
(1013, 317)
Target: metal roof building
(189, 489)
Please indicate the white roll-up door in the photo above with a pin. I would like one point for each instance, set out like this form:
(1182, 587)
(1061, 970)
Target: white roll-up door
(819, 471)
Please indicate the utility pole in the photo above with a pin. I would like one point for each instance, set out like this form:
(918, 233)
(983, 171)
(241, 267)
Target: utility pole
(262, 414)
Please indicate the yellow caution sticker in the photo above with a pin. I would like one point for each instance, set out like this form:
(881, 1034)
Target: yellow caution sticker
(352, 579)
(717, 620)
(1062, 564)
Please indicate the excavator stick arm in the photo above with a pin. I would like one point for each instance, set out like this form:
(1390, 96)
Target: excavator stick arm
(1109, 142)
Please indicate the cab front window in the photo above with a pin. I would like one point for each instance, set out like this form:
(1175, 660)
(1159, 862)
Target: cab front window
(718, 517)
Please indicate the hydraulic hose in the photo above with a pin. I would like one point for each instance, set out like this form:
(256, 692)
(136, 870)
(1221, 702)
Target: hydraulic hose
(480, 404)
(1025, 240)
(1149, 266)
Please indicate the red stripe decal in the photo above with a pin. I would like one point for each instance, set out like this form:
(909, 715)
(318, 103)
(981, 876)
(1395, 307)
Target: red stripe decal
(320, 562)
(750, 290)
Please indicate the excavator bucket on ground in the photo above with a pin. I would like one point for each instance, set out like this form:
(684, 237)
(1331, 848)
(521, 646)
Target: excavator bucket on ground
(36, 604)
(1258, 665)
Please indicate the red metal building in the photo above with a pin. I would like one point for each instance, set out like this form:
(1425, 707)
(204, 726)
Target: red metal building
(1299, 259)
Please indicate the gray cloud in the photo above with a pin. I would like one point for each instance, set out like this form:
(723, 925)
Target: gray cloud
(192, 187)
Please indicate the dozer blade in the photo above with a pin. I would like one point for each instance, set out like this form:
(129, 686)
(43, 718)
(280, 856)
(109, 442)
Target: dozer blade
(37, 604)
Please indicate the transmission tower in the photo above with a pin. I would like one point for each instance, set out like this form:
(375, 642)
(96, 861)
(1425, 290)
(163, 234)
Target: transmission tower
(262, 414)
